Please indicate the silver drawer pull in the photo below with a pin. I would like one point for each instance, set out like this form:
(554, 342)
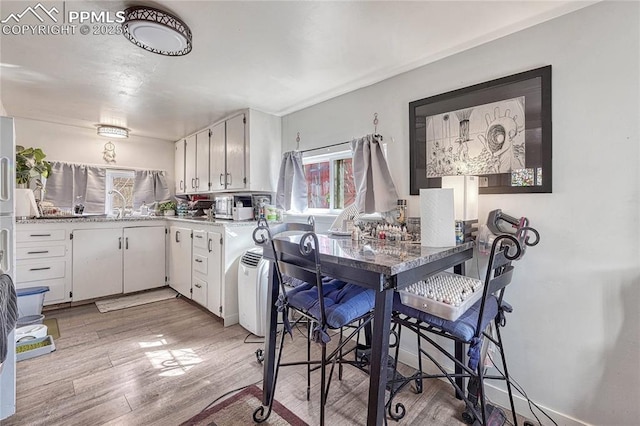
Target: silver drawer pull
(40, 269)
(198, 260)
(198, 285)
(38, 252)
(198, 236)
(40, 235)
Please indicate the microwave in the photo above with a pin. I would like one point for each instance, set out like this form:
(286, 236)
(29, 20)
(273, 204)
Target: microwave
(224, 205)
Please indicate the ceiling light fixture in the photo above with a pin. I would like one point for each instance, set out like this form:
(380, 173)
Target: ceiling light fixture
(112, 132)
(156, 31)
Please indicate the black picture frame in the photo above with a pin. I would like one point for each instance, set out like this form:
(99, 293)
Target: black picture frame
(529, 160)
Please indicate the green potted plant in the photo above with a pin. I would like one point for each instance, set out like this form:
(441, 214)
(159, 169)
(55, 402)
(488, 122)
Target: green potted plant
(31, 166)
(168, 208)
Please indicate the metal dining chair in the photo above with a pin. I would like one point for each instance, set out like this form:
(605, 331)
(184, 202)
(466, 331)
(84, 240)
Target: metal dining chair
(470, 329)
(324, 303)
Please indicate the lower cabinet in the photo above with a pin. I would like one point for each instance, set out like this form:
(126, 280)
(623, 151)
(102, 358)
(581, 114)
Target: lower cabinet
(115, 260)
(180, 260)
(43, 258)
(203, 264)
(207, 269)
(144, 258)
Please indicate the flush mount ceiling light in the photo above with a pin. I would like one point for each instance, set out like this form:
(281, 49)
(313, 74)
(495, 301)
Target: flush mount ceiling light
(113, 132)
(156, 31)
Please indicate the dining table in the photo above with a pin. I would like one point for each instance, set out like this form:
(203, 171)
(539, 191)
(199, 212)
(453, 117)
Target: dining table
(382, 265)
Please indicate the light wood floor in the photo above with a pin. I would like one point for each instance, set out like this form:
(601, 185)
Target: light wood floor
(162, 363)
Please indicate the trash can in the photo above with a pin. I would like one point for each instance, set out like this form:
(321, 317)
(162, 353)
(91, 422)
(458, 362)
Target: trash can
(30, 301)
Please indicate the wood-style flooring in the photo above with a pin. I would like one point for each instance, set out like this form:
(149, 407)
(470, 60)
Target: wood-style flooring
(162, 363)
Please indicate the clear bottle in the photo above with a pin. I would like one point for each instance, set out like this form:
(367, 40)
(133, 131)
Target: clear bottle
(144, 209)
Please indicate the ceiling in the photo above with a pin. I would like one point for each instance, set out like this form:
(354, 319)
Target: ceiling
(276, 57)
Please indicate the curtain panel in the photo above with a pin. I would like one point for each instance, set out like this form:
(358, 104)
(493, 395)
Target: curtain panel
(70, 182)
(375, 190)
(292, 184)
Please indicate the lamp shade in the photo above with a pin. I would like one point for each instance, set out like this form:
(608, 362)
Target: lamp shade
(465, 195)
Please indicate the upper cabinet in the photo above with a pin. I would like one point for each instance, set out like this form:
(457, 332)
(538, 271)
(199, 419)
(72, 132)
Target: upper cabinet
(217, 156)
(179, 167)
(239, 153)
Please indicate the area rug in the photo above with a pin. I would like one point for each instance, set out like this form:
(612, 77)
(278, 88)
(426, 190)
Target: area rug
(238, 410)
(135, 300)
(52, 327)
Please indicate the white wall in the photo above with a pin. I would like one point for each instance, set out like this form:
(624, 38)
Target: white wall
(81, 145)
(573, 339)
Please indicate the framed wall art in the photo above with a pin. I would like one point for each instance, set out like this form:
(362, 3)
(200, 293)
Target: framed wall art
(499, 130)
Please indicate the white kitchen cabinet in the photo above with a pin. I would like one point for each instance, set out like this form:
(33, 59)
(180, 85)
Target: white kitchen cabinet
(179, 160)
(206, 268)
(190, 172)
(217, 156)
(117, 260)
(243, 154)
(196, 163)
(202, 161)
(144, 258)
(235, 176)
(180, 260)
(43, 258)
(263, 151)
(97, 263)
(213, 264)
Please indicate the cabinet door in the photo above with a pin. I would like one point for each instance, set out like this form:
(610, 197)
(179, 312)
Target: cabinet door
(179, 167)
(214, 272)
(97, 263)
(144, 263)
(235, 174)
(199, 291)
(202, 161)
(180, 260)
(217, 156)
(190, 164)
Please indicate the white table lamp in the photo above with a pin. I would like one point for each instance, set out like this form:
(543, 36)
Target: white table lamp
(465, 196)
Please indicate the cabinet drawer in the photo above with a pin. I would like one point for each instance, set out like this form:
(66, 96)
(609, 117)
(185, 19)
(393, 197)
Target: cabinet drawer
(39, 271)
(199, 292)
(200, 264)
(57, 291)
(41, 235)
(200, 239)
(23, 253)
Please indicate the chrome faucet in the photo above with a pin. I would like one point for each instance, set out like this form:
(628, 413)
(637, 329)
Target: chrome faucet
(124, 203)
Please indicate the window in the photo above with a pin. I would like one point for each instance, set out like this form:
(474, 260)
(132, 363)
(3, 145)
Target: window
(330, 183)
(121, 181)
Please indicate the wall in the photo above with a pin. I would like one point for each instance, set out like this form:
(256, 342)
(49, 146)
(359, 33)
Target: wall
(572, 341)
(81, 145)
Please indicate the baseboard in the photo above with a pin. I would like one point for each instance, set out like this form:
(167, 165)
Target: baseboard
(496, 395)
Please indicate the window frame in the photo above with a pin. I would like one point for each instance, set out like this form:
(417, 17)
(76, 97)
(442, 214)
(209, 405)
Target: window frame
(331, 158)
(109, 177)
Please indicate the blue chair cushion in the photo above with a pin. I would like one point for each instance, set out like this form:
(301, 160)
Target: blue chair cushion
(463, 328)
(343, 302)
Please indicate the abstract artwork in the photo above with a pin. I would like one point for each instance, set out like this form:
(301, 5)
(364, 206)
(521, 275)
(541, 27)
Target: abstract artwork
(499, 130)
(482, 140)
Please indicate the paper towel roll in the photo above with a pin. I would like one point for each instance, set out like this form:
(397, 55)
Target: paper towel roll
(437, 221)
(25, 203)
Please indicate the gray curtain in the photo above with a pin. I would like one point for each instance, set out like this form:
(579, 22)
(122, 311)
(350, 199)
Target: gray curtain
(68, 181)
(375, 191)
(65, 183)
(292, 184)
(150, 186)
